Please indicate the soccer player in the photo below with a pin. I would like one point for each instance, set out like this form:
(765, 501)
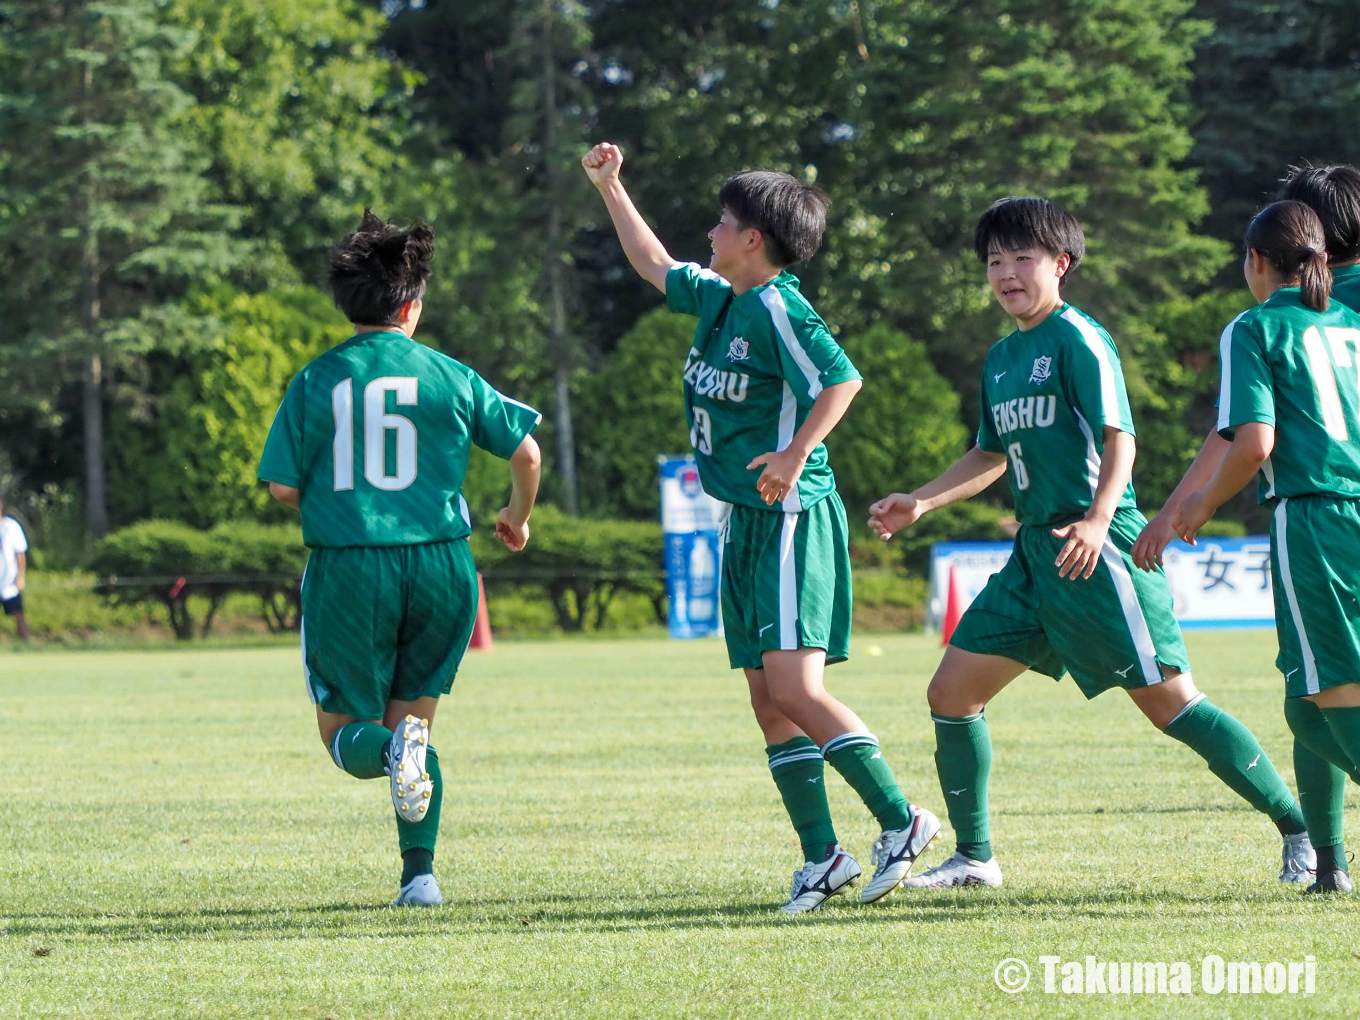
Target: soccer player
(1055, 417)
(1333, 192)
(371, 445)
(13, 570)
(764, 383)
(1290, 407)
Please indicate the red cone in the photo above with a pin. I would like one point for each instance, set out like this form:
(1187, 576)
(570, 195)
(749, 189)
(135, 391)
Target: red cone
(481, 630)
(953, 606)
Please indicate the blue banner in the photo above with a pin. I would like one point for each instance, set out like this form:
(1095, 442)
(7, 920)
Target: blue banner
(691, 521)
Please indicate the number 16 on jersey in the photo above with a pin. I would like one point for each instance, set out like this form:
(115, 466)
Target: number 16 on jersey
(377, 422)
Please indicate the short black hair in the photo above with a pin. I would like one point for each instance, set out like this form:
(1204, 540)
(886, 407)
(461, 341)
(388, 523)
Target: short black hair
(790, 215)
(379, 268)
(1333, 192)
(1010, 224)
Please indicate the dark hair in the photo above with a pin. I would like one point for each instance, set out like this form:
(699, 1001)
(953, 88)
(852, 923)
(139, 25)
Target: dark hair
(1333, 192)
(1010, 224)
(1289, 236)
(790, 215)
(379, 268)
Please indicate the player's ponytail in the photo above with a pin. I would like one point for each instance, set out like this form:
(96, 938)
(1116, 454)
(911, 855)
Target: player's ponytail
(1289, 236)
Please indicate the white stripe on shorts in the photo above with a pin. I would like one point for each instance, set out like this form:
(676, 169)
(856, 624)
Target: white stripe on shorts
(788, 585)
(1310, 673)
(1133, 612)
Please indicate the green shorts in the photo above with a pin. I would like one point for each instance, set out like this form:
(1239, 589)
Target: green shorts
(1113, 629)
(385, 623)
(786, 582)
(1314, 552)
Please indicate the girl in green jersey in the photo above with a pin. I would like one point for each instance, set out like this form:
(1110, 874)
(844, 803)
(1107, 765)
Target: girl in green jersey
(1290, 407)
(1055, 419)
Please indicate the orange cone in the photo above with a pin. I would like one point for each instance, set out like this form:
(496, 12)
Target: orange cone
(481, 630)
(953, 606)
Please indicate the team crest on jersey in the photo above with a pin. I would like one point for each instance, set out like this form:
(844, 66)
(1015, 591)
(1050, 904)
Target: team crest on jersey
(739, 351)
(1043, 368)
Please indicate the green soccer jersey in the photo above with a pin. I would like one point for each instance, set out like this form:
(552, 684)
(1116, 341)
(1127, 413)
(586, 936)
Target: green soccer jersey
(758, 362)
(376, 434)
(1346, 286)
(1047, 394)
(1296, 370)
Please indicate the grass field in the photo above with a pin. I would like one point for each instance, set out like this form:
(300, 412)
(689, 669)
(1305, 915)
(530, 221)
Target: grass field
(176, 843)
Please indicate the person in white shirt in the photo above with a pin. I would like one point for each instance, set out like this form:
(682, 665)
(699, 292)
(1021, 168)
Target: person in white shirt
(13, 567)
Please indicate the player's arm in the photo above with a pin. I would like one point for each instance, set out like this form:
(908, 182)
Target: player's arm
(1154, 538)
(644, 249)
(21, 561)
(969, 475)
(1081, 552)
(783, 468)
(1246, 417)
(286, 494)
(512, 523)
(1251, 446)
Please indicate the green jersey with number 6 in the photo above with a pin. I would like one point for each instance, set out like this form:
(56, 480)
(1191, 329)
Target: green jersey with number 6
(758, 363)
(376, 434)
(1295, 369)
(1047, 394)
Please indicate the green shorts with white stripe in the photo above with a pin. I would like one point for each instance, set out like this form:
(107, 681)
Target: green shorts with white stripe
(1113, 629)
(1314, 549)
(786, 582)
(385, 623)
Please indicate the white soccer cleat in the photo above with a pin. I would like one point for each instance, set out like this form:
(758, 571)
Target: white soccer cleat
(896, 851)
(1299, 860)
(421, 891)
(411, 784)
(815, 883)
(958, 870)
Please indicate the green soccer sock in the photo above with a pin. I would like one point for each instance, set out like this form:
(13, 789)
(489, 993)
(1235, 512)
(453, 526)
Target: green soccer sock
(1319, 762)
(416, 862)
(963, 758)
(1345, 726)
(859, 760)
(1235, 756)
(798, 772)
(360, 748)
(422, 834)
(1309, 725)
(1322, 794)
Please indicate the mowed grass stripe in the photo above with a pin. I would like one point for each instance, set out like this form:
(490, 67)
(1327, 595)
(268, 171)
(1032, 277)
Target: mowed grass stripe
(177, 844)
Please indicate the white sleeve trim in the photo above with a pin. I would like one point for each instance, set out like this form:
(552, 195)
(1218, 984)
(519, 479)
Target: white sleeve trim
(779, 315)
(511, 400)
(1109, 393)
(1225, 373)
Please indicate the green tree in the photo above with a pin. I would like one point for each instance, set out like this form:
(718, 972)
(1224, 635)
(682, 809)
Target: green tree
(104, 209)
(303, 114)
(637, 413)
(903, 428)
(1275, 84)
(194, 457)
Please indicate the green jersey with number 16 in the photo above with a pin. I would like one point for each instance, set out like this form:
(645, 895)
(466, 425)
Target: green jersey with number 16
(758, 363)
(1296, 370)
(376, 435)
(1047, 394)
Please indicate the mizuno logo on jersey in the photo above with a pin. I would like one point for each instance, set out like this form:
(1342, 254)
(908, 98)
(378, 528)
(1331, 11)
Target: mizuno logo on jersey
(1024, 413)
(714, 382)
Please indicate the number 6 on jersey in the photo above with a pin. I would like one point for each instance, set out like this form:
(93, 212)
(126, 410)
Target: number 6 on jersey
(377, 422)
